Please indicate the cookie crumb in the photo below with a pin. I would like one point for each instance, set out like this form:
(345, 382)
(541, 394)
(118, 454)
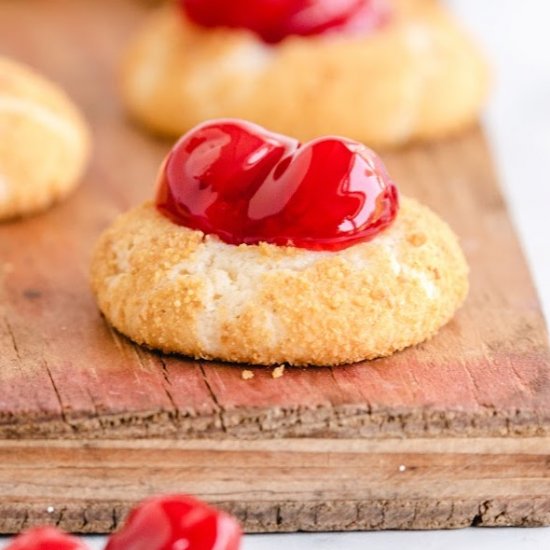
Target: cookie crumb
(247, 375)
(278, 371)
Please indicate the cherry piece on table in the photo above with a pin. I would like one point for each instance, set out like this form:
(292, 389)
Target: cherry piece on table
(46, 538)
(274, 20)
(176, 522)
(246, 185)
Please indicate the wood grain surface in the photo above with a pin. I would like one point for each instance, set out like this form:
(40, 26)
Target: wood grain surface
(282, 485)
(70, 386)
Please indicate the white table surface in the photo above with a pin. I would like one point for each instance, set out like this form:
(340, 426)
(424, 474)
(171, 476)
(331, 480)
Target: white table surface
(516, 36)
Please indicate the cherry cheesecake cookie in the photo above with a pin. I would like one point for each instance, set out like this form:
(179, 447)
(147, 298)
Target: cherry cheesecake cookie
(260, 249)
(384, 72)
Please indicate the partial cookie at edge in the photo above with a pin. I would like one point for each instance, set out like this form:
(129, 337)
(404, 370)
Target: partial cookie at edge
(45, 144)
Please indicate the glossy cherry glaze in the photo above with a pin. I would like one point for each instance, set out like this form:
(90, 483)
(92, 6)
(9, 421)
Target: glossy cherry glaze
(274, 20)
(46, 538)
(246, 185)
(176, 522)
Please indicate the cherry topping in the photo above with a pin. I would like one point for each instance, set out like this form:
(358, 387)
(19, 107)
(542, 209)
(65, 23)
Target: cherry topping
(46, 538)
(246, 185)
(273, 20)
(176, 522)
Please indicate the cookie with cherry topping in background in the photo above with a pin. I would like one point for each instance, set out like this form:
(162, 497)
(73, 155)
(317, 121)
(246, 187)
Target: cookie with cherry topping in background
(383, 72)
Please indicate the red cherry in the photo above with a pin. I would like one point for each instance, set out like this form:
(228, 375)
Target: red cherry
(322, 16)
(176, 522)
(247, 185)
(258, 16)
(46, 538)
(273, 20)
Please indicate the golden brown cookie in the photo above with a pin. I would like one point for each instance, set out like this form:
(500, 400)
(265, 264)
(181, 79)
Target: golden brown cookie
(178, 290)
(44, 142)
(419, 77)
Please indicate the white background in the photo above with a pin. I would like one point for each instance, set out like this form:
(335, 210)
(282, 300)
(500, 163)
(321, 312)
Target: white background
(516, 36)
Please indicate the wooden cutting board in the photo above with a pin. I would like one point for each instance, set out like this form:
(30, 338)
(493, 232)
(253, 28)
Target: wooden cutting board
(450, 433)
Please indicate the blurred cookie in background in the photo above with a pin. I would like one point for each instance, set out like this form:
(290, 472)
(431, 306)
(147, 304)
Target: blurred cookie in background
(44, 142)
(385, 72)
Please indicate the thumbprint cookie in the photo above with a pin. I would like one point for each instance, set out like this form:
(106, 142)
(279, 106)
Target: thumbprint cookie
(44, 142)
(384, 72)
(260, 249)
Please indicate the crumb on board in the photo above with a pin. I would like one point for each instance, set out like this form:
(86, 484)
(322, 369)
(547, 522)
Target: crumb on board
(278, 371)
(247, 374)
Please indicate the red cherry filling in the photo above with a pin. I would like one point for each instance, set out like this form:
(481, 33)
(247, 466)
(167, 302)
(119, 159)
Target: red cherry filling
(176, 523)
(246, 185)
(46, 538)
(274, 20)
